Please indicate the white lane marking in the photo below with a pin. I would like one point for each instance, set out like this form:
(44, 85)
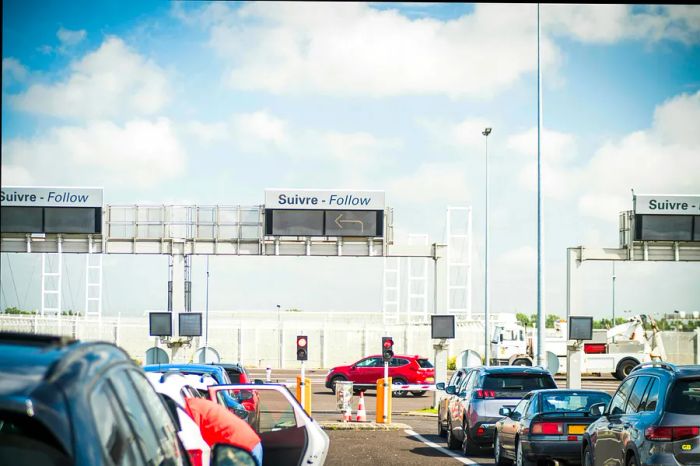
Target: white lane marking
(443, 450)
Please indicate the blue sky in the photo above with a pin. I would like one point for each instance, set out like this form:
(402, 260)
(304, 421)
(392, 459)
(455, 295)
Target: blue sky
(239, 97)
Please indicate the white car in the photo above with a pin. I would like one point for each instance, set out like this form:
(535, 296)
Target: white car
(289, 436)
(175, 388)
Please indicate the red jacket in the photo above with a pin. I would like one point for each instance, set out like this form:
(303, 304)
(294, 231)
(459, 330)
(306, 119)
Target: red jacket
(219, 425)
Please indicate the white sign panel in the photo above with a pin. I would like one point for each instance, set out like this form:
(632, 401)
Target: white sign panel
(669, 204)
(25, 196)
(326, 199)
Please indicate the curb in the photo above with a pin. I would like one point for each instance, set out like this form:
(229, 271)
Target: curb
(416, 414)
(338, 425)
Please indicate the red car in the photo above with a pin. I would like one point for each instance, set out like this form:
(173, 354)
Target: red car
(402, 369)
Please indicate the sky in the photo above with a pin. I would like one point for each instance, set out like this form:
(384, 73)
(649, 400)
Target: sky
(210, 103)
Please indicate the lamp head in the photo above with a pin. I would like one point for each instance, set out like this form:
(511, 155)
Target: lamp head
(486, 131)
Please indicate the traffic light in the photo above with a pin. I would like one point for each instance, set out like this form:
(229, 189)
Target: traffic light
(302, 348)
(387, 348)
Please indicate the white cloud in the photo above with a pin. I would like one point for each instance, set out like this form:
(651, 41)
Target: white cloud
(353, 49)
(70, 38)
(13, 71)
(463, 135)
(431, 183)
(113, 81)
(100, 153)
(612, 23)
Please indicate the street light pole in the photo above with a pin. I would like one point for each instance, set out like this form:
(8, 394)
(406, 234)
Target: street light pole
(613, 293)
(540, 213)
(486, 133)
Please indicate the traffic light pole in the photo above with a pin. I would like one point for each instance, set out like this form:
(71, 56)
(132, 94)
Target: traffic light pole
(386, 391)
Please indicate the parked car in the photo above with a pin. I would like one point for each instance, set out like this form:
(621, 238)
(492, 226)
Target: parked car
(245, 409)
(289, 436)
(546, 425)
(54, 391)
(653, 418)
(175, 389)
(402, 369)
(456, 379)
(237, 373)
(473, 415)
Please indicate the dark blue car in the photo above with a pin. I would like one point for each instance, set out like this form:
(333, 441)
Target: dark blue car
(65, 402)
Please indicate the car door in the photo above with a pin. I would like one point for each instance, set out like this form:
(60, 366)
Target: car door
(287, 433)
(604, 435)
(456, 405)
(454, 381)
(629, 430)
(367, 371)
(511, 425)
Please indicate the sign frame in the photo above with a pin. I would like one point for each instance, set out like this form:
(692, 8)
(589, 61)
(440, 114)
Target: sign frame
(447, 318)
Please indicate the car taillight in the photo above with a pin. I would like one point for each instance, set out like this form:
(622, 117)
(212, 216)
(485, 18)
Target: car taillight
(671, 433)
(480, 431)
(547, 428)
(482, 394)
(195, 457)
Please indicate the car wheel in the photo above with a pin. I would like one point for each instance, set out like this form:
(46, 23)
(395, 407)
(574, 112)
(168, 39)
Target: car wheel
(399, 393)
(452, 442)
(498, 458)
(587, 456)
(418, 393)
(632, 461)
(441, 430)
(624, 368)
(520, 459)
(468, 447)
(337, 378)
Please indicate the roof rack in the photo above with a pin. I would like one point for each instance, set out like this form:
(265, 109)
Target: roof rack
(20, 338)
(661, 364)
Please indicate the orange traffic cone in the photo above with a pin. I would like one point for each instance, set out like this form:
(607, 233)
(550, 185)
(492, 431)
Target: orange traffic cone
(361, 413)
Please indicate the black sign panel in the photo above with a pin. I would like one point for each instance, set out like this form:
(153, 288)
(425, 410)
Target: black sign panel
(666, 227)
(362, 223)
(580, 328)
(351, 223)
(190, 324)
(19, 219)
(160, 324)
(442, 327)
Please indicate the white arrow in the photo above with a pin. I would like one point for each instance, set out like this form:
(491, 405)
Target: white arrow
(338, 222)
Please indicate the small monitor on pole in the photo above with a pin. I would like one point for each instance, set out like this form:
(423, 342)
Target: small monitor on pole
(442, 327)
(580, 328)
(190, 324)
(160, 324)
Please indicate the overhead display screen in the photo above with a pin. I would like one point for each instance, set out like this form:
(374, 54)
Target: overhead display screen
(190, 324)
(22, 220)
(666, 228)
(346, 223)
(160, 324)
(580, 328)
(70, 220)
(442, 327)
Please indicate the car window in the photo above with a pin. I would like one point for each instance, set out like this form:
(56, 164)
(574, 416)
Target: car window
(396, 362)
(369, 362)
(533, 407)
(635, 399)
(424, 363)
(233, 375)
(571, 401)
(507, 385)
(617, 405)
(467, 382)
(274, 411)
(521, 407)
(458, 378)
(651, 397)
(144, 434)
(684, 397)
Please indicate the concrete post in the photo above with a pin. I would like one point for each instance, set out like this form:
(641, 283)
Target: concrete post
(574, 355)
(697, 346)
(441, 349)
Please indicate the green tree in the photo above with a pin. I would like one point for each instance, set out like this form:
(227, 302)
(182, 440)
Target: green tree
(550, 320)
(522, 319)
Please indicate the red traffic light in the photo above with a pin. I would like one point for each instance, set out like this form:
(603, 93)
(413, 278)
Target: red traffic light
(388, 343)
(301, 341)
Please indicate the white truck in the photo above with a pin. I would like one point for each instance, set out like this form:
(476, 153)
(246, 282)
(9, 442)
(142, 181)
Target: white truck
(626, 346)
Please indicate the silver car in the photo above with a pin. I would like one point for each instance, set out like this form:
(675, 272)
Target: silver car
(653, 419)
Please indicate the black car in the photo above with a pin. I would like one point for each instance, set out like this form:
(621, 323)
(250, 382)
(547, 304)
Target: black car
(653, 418)
(546, 425)
(65, 402)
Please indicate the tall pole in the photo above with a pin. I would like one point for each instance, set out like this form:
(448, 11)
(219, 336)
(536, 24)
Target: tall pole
(486, 133)
(613, 294)
(206, 314)
(279, 331)
(540, 239)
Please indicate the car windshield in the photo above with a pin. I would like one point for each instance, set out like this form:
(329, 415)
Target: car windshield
(685, 397)
(515, 385)
(563, 402)
(425, 364)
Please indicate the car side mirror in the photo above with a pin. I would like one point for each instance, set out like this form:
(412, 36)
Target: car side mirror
(506, 412)
(451, 390)
(228, 455)
(440, 386)
(597, 409)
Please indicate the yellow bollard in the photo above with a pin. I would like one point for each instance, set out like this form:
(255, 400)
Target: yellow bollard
(381, 419)
(307, 394)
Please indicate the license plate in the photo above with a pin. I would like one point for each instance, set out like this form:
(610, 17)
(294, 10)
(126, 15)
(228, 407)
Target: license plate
(577, 430)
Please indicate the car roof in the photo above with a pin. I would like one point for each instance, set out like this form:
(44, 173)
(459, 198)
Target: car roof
(512, 370)
(685, 371)
(566, 391)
